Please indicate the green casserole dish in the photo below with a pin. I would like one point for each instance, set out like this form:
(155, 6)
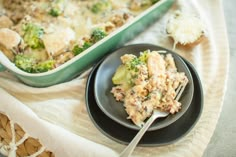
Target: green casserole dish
(93, 54)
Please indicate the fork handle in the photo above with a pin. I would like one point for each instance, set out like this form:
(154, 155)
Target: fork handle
(129, 149)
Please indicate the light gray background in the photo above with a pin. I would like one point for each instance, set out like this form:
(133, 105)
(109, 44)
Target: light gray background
(223, 141)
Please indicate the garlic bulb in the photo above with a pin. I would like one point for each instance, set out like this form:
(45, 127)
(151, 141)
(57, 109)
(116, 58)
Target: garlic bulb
(185, 28)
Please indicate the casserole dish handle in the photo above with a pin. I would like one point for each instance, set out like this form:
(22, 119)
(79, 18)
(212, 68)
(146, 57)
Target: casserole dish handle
(2, 68)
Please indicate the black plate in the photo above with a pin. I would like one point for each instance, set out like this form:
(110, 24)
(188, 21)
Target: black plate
(160, 137)
(114, 109)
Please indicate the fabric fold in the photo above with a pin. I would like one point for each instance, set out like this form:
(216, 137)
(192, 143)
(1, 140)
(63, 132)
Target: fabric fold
(58, 140)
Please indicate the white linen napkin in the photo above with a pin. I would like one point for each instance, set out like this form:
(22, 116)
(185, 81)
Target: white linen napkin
(58, 140)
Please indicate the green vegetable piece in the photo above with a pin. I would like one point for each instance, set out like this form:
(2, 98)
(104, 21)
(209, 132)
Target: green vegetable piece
(97, 35)
(101, 6)
(29, 64)
(44, 66)
(77, 49)
(144, 56)
(54, 12)
(57, 7)
(25, 63)
(154, 1)
(132, 65)
(33, 35)
(120, 75)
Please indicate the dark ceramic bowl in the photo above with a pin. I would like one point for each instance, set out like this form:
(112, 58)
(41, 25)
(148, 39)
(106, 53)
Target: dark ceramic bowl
(115, 110)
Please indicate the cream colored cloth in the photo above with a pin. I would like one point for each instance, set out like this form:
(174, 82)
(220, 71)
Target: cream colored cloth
(61, 113)
(52, 137)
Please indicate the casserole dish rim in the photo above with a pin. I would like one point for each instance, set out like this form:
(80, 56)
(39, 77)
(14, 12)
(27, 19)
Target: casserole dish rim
(6, 64)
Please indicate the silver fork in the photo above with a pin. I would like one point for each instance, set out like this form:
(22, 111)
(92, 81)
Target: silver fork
(156, 114)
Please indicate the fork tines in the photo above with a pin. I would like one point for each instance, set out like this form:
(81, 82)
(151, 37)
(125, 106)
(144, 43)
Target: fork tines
(179, 90)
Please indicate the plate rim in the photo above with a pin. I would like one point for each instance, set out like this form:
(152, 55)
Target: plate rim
(146, 144)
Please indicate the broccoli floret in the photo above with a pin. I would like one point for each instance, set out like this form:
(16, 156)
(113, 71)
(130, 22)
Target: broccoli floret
(154, 1)
(97, 35)
(54, 12)
(44, 66)
(57, 7)
(30, 65)
(78, 49)
(24, 62)
(33, 35)
(101, 6)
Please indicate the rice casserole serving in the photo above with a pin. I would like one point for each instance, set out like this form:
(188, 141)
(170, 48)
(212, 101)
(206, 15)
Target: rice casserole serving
(147, 82)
